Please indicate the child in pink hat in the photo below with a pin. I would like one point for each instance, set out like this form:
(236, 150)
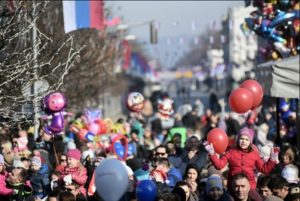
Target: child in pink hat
(75, 169)
(243, 157)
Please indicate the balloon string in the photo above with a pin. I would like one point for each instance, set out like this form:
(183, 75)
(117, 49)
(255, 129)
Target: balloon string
(54, 149)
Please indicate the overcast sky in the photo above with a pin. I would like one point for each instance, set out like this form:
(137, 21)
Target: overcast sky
(186, 13)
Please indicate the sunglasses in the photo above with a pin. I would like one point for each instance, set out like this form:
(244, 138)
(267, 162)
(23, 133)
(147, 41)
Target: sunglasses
(63, 160)
(160, 153)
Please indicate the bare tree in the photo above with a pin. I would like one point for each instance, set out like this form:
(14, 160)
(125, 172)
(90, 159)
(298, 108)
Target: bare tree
(34, 47)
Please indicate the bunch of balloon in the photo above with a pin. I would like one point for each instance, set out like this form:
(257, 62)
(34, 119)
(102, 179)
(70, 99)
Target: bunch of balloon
(247, 97)
(146, 190)
(219, 139)
(53, 105)
(278, 23)
(111, 179)
(89, 125)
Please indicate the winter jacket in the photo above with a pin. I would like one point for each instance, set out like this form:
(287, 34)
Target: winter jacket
(224, 197)
(23, 193)
(4, 191)
(79, 175)
(40, 182)
(242, 162)
(173, 177)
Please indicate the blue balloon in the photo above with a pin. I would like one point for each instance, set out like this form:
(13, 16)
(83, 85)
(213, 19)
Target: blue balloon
(146, 191)
(120, 150)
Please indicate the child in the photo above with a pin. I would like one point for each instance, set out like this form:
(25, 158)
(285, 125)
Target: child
(244, 157)
(4, 191)
(39, 178)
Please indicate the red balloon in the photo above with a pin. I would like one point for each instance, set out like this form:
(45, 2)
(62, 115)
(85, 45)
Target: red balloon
(240, 100)
(256, 89)
(219, 140)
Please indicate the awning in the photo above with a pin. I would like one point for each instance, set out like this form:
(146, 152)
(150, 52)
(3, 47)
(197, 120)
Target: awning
(280, 78)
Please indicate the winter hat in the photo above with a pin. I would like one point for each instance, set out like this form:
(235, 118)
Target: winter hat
(18, 164)
(290, 173)
(37, 161)
(294, 192)
(213, 181)
(248, 132)
(1, 159)
(71, 145)
(74, 153)
(273, 198)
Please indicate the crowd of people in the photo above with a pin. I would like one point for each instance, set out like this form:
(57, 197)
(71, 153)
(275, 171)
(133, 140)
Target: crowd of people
(173, 152)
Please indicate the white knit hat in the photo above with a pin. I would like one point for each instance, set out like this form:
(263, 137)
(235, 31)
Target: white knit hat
(17, 163)
(290, 173)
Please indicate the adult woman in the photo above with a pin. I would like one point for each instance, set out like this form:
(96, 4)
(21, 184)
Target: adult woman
(243, 157)
(191, 177)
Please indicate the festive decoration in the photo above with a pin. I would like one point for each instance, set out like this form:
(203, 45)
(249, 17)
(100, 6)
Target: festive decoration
(111, 179)
(165, 108)
(146, 191)
(256, 90)
(135, 102)
(240, 100)
(219, 140)
(53, 104)
(120, 146)
(278, 23)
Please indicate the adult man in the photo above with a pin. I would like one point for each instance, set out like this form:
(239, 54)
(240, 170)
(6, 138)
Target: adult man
(17, 181)
(263, 182)
(241, 188)
(161, 152)
(280, 187)
(165, 173)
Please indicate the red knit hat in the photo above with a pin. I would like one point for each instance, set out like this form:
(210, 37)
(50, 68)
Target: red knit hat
(74, 153)
(248, 132)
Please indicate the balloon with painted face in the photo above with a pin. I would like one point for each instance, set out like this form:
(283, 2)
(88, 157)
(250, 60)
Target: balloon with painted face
(135, 102)
(53, 104)
(165, 107)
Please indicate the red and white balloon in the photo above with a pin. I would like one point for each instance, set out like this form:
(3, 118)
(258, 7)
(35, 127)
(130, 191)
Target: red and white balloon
(135, 102)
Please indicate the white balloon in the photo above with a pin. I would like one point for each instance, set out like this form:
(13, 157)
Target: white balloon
(111, 179)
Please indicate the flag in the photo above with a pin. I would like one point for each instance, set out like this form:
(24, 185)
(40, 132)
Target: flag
(112, 21)
(83, 14)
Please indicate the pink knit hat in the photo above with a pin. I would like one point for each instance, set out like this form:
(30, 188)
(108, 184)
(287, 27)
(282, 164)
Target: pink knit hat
(248, 132)
(74, 153)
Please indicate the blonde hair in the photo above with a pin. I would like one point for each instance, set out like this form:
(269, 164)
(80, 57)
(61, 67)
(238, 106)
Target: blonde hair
(290, 153)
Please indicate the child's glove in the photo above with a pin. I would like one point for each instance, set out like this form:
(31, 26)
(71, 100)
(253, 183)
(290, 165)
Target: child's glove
(274, 153)
(68, 179)
(209, 147)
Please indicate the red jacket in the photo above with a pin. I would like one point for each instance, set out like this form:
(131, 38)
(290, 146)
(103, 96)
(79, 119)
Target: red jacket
(240, 161)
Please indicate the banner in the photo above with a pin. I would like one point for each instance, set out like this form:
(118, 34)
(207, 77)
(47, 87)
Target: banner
(83, 14)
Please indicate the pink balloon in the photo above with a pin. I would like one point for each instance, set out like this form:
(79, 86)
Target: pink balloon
(240, 100)
(94, 128)
(256, 89)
